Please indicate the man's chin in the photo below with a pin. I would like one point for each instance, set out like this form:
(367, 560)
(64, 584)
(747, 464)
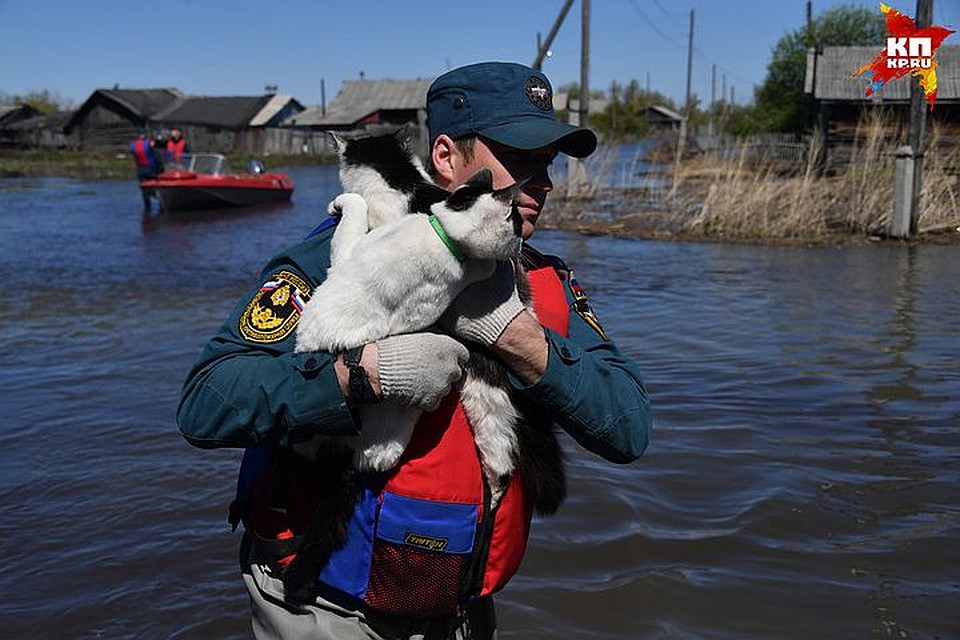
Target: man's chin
(528, 227)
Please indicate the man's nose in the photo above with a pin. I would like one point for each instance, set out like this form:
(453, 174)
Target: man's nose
(540, 181)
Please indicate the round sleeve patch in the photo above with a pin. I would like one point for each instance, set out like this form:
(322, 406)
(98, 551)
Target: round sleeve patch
(275, 309)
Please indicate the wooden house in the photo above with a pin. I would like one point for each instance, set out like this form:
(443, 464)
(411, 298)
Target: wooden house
(367, 106)
(838, 101)
(225, 124)
(661, 119)
(232, 124)
(43, 131)
(10, 114)
(838, 96)
(110, 117)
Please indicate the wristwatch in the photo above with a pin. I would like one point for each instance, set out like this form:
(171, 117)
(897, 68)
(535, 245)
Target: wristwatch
(361, 391)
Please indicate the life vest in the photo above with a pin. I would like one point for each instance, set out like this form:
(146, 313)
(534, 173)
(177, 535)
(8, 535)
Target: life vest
(176, 149)
(423, 540)
(142, 154)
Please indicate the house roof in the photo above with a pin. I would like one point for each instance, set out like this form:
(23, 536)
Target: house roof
(275, 105)
(55, 120)
(834, 77)
(357, 99)
(10, 113)
(666, 112)
(232, 112)
(136, 104)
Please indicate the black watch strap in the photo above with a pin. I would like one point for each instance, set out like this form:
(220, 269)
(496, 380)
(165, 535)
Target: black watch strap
(361, 391)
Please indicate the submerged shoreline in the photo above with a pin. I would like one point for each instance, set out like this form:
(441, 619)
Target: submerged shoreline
(597, 216)
(616, 212)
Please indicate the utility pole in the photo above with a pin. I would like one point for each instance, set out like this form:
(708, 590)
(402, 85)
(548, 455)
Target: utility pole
(909, 158)
(323, 99)
(687, 105)
(577, 183)
(685, 122)
(713, 96)
(584, 62)
(543, 48)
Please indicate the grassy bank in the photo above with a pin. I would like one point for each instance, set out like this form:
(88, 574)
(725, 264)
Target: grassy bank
(85, 165)
(108, 164)
(737, 198)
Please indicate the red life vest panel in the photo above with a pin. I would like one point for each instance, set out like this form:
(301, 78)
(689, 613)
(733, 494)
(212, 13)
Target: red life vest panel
(142, 154)
(420, 543)
(175, 149)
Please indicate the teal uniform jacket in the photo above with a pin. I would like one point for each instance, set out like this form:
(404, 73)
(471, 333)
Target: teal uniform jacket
(249, 388)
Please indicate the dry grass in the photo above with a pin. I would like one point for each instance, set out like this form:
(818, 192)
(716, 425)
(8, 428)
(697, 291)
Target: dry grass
(739, 199)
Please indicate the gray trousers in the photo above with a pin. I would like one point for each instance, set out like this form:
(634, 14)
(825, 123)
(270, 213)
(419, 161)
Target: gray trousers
(276, 618)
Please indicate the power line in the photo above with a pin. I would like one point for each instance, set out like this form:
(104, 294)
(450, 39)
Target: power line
(652, 24)
(723, 68)
(668, 14)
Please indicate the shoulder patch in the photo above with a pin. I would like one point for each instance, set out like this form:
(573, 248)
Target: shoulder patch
(275, 309)
(581, 305)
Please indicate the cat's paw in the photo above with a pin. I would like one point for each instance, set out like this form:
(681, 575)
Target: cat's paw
(347, 204)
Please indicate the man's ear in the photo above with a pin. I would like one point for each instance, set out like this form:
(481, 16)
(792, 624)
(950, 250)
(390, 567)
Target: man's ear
(444, 155)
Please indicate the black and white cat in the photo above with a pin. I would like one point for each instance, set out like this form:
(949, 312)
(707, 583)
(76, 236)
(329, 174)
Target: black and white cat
(400, 277)
(391, 273)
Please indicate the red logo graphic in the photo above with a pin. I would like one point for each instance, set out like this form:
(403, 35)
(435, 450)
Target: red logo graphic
(909, 51)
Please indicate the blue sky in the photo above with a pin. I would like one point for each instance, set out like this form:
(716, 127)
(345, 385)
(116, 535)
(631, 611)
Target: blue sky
(236, 47)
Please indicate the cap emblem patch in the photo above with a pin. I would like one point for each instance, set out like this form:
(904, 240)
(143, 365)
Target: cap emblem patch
(275, 309)
(539, 93)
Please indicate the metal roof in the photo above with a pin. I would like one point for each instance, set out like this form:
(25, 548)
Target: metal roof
(357, 99)
(268, 111)
(836, 66)
(230, 112)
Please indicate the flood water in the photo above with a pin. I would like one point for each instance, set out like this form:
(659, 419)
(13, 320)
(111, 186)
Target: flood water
(803, 479)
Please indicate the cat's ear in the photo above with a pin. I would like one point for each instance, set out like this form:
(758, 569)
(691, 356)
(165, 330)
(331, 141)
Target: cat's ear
(481, 180)
(404, 136)
(464, 196)
(509, 194)
(339, 141)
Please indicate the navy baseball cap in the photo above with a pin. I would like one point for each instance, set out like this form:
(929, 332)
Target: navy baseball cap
(506, 102)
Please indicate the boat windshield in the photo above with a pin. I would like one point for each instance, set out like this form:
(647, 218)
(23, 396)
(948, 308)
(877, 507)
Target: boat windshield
(208, 163)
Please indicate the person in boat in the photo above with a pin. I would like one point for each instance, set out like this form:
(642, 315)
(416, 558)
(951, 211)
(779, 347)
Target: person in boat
(250, 389)
(143, 150)
(177, 148)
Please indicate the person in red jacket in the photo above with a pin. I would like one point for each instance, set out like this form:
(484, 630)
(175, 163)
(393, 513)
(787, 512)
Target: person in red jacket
(147, 166)
(177, 148)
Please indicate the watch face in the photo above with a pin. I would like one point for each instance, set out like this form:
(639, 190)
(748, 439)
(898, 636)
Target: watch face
(361, 391)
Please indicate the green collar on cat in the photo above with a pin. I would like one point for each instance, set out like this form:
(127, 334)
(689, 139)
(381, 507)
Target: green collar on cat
(447, 240)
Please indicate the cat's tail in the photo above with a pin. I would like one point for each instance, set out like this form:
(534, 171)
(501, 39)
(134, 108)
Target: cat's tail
(542, 466)
(328, 527)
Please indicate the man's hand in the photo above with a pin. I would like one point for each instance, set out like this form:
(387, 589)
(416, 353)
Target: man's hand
(485, 308)
(418, 369)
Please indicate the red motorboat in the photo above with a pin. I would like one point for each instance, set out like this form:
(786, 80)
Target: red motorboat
(202, 183)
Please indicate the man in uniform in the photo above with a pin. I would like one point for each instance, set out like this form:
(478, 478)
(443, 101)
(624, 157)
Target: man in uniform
(429, 542)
